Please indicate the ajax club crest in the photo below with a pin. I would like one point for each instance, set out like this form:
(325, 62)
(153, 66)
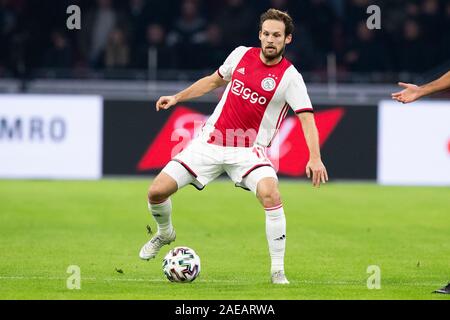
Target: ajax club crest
(268, 84)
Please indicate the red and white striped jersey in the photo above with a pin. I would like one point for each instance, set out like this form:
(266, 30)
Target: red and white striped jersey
(256, 100)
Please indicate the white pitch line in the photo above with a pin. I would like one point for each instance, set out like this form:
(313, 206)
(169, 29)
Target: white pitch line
(237, 282)
(115, 279)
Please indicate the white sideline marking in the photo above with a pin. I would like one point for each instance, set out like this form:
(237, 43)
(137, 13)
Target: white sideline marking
(218, 281)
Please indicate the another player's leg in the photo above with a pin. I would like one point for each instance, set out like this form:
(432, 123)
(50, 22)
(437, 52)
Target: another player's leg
(160, 207)
(269, 196)
(444, 290)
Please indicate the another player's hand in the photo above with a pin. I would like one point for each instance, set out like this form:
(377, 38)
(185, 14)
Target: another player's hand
(409, 94)
(318, 172)
(165, 102)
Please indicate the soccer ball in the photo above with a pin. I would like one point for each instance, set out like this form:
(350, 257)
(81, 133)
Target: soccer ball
(181, 264)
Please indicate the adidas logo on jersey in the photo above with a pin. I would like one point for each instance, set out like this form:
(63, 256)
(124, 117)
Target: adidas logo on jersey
(241, 71)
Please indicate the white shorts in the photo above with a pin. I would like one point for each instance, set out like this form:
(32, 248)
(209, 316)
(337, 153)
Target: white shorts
(202, 162)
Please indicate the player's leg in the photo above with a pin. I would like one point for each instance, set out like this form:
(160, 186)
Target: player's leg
(173, 177)
(251, 169)
(260, 178)
(269, 196)
(198, 164)
(159, 202)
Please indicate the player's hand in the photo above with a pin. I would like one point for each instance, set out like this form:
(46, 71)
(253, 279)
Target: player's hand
(318, 172)
(409, 94)
(165, 102)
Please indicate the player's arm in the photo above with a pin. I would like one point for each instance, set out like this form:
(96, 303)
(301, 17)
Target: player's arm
(412, 92)
(198, 89)
(315, 167)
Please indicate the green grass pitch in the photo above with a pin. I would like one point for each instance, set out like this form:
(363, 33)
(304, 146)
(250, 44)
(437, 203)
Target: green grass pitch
(333, 234)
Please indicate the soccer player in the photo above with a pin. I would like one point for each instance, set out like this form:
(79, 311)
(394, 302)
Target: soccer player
(412, 92)
(261, 85)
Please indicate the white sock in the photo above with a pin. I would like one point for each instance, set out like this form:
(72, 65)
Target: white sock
(162, 212)
(276, 236)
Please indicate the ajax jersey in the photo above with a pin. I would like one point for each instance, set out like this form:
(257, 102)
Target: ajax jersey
(255, 101)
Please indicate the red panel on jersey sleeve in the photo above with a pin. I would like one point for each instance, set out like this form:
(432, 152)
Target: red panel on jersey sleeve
(303, 110)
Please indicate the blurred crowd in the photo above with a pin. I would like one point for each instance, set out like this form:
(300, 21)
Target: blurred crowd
(199, 34)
